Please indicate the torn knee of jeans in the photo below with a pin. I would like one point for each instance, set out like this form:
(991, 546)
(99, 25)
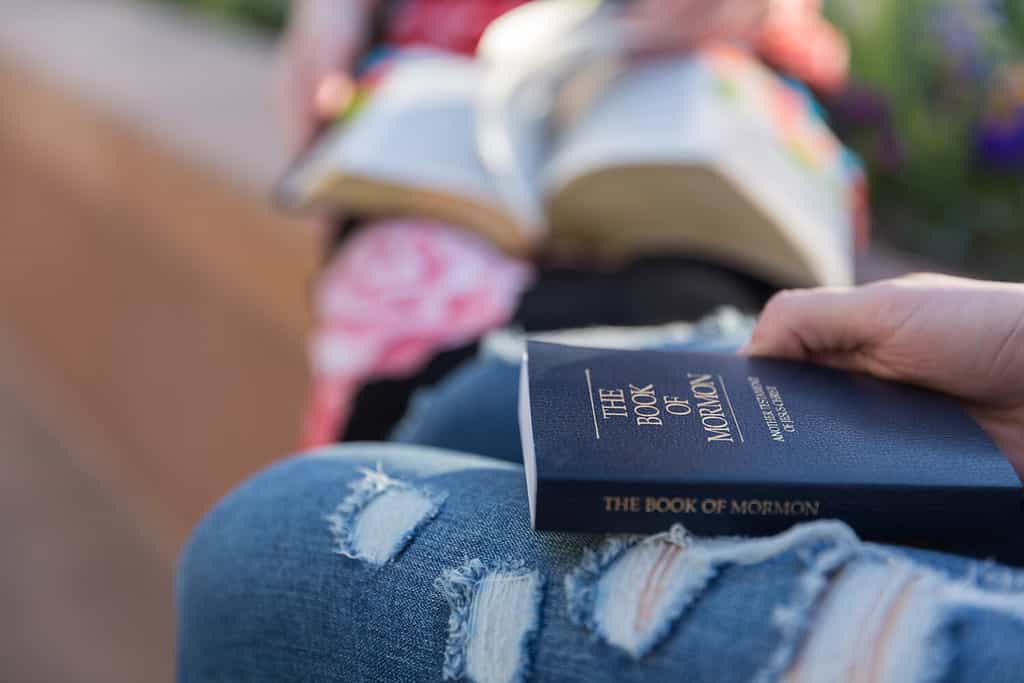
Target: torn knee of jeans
(631, 590)
(378, 519)
(988, 575)
(889, 619)
(875, 621)
(495, 614)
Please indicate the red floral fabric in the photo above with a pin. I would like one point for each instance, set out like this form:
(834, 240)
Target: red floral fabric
(453, 25)
(396, 294)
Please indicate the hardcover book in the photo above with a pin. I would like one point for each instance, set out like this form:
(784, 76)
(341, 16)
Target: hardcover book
(633, 441)
(709, 154)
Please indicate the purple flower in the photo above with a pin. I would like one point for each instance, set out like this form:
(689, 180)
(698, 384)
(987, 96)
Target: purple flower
(858, 110)
(964, 38)
(1000, 141)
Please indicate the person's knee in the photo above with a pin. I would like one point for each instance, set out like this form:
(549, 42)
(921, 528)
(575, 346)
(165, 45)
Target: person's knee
(330, 496)
(267, 556)
(221, 581)
(302, 506)
(294, 573)
(248, 577)
(250, 516)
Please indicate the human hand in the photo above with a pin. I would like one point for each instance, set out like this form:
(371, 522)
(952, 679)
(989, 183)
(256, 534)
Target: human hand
(790, 34)
(685, 23)
(320, 49)
(954, 335)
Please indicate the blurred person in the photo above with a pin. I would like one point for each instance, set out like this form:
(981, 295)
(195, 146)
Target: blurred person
(401, 302)
(415, 561)
(326, 40)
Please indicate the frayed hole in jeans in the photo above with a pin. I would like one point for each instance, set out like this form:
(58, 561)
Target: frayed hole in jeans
(378, 519)
(495, 614)
(631, 590)
(879, 620)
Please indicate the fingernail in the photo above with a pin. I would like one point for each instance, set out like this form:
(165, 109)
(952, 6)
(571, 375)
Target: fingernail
(333, 95)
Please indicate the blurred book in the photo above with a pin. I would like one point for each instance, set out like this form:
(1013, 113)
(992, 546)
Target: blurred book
(710, 155)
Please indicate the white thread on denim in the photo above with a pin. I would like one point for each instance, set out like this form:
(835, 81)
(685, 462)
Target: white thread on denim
(988, 575)
(886, 609)
(495, 615)
(379, 518)
(878, 621)
(411, 459)
(588, 595)
(965, 594)
(606, 578)
(793, 620)
(642, 593)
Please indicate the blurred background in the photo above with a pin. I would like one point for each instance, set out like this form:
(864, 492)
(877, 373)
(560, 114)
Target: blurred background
(153, 306)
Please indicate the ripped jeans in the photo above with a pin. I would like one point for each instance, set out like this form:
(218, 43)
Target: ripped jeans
(410, 561)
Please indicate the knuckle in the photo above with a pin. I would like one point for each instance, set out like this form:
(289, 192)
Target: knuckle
(781, 300)
(785, 300)
(923, 276)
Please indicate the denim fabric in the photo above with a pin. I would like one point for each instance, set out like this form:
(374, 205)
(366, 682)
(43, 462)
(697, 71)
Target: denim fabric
(269, 590)
(488, 385)
(406, 562)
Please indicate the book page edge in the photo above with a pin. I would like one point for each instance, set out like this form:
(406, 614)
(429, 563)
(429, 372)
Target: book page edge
(526, 438)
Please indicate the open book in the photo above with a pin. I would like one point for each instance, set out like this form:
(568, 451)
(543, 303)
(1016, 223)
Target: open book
(709, 155)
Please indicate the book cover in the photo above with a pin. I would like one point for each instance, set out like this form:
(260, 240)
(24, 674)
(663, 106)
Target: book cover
(633, 441)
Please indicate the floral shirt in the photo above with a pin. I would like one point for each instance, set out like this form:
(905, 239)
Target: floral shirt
(400, 291)
(795, 38)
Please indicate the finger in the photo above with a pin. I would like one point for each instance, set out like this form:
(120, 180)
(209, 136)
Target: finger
(330, 83)
(737, 20)
(333, 94)
(684, 24)
(322, 47)
(295, 91)
(314, 100)
(673, 24)
(809, 324)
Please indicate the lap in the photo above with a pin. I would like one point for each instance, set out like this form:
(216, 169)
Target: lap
(378, 562)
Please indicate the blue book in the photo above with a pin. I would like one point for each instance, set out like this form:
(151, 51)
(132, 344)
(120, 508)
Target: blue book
(633, 441)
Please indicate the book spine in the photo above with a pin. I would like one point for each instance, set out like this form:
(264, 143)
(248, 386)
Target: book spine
(968, 520)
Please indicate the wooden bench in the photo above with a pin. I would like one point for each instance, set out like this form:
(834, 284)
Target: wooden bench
(143, 274)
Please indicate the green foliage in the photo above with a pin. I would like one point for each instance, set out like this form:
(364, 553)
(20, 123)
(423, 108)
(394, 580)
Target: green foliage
(266, 15)
(937, 65)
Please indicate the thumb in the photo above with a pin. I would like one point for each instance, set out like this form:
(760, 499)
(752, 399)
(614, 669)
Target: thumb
(823, 324)
(333, 93)
(334, 61)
